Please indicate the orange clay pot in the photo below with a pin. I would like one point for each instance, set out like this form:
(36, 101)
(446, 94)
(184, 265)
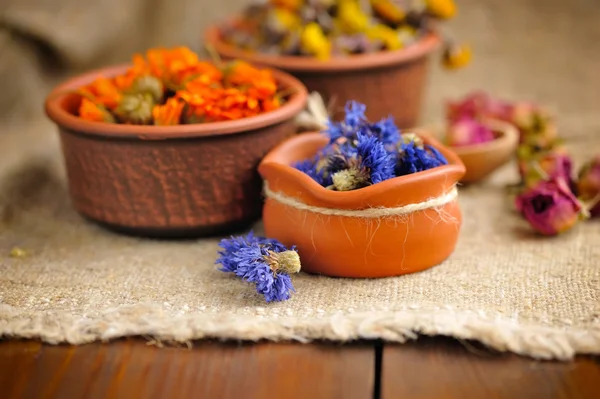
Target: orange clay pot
(168, 181)
(402, 225)
(387, 82)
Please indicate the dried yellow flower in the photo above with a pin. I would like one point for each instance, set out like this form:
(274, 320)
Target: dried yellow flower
(313, 41)
(387, 35)
(456, 57)
(18, 253)
(444, 9)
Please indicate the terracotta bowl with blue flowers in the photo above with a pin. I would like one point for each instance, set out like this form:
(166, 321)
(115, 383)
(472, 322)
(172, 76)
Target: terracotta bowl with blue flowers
(363, 199)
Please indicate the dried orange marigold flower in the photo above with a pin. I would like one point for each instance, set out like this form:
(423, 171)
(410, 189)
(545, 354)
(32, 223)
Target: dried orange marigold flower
(173, 86)
(102, 91)
(89, 111)
(168, 114)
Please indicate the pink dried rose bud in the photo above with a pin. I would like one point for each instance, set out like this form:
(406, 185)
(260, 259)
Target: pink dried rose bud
(550, 207)
(547, 166)
(536, 125)
(478, 105)
(467, 132)
(588, 184)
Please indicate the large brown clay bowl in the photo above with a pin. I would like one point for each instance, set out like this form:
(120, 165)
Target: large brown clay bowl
(186, 180)
(402, 225)
(482, 160)
(388, 82)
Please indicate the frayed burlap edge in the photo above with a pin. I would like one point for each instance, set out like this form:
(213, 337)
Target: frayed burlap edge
(497, 332)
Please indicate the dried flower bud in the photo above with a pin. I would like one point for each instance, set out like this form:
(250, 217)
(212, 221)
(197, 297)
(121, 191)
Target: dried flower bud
(313, 41)
(135, 109)
(285, 261)
(536, 125)
(149, 84)
(547, 166)
(444, 9)
(478, 105)
(550, 207)
(350, 17)
(388, 10)
(407, 138)
(588, 185)
(468, 132)
(456, 57)
(388, 36)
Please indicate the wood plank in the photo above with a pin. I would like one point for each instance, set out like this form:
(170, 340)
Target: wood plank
(133, 369)
(445, 368)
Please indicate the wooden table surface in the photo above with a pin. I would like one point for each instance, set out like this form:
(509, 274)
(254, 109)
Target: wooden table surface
(426, 368)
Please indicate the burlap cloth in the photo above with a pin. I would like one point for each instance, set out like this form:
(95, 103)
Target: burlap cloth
(503, 286)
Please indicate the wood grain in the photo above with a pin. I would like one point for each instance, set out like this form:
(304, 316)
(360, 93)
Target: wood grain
(445, 368)
(132, 369)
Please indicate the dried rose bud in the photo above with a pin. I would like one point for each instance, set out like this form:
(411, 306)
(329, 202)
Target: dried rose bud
(548, 166)
(479, 104)
(550, 207)
(468, 132)
(588, 184)
(135, 109)
(536, 125)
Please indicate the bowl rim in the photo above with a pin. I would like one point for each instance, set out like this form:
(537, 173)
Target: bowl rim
(508, 136)
(455, 167)
(357, 62)
(55, 110)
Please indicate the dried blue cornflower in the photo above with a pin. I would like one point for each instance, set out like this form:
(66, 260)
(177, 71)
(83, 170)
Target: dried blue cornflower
(353, 121)
(356, 167)
(360, 153)
(233, 244)
(414, 156)
(387, 131)
(264, 262)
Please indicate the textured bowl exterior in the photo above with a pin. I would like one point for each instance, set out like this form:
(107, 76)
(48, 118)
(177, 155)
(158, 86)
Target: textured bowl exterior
(396, 90)
(344, 246)
(189, 180)
(178, 187)
(388, 83)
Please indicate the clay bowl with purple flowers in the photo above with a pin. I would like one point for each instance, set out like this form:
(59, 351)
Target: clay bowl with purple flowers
(387, 82)
(402, 225)
(482, 159)
(168, 181)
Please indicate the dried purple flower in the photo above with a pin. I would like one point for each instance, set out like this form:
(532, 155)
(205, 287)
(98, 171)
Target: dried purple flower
(265, 262)
(550, 207)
